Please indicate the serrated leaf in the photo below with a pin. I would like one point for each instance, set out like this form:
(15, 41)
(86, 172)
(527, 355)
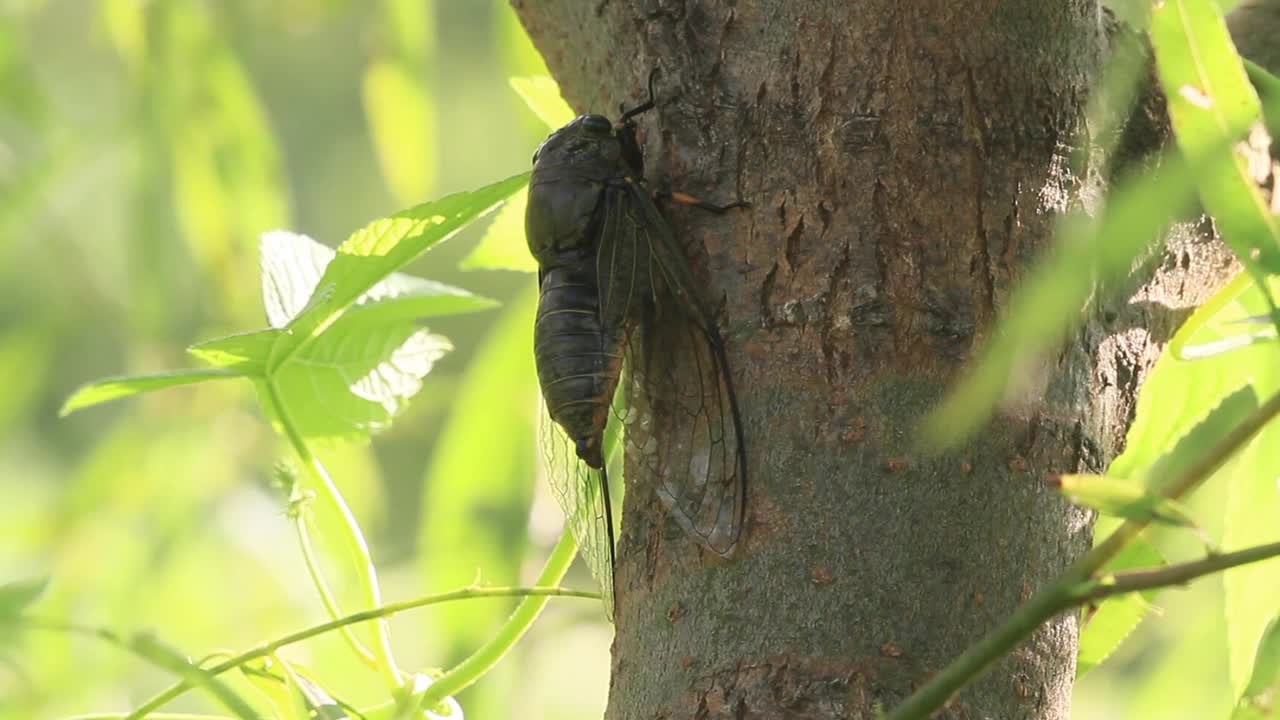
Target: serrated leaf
(1106, 626)
(1211, 101)
(358, 375)
(114, 388)
(379, 249)
(503, 246)
(1123, 498)
(1170, 430)
(542, 95)
(16, 596)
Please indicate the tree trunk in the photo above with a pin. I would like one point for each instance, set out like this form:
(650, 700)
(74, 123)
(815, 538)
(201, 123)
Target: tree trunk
(904, 162)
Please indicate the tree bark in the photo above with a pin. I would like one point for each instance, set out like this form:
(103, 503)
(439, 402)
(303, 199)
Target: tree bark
(904, 162)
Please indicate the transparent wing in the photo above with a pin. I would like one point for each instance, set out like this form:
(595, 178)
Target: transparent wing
(683, 424)
(578, 489)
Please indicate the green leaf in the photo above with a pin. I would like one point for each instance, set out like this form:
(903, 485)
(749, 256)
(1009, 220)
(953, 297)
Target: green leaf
(403, 124)
(380, 248)
(1211, 101)
(1171, 429)
(276, 687)
(1048, 304)
(292, 265)
(1261, 697)
(1122, 498)
(1106, 626)
(246, 353)
(113, 388)
(353, 379)
(1268, 89)
(542, 95)
(503, 246)
(1227, 321)
(16, 596)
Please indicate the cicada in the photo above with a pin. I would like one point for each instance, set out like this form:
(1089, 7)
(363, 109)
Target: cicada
(618, 300)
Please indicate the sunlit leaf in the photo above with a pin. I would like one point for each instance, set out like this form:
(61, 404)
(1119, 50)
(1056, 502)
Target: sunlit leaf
(542, 95)
(1210, 101)
(381, 248)
(161, 655)
(1173, 427)
(1235, 317)
(1106, 626)
(503, 246)
(359, 374)
(246, 353)
(113, 388)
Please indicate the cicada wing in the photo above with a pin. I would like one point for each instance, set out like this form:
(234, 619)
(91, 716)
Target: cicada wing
(580, 491)
(683, 425)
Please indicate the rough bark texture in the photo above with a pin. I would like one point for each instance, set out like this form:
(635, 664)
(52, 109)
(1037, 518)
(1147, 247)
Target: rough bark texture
(905, 162)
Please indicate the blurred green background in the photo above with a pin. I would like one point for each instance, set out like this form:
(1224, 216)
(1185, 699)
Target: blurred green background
(144, 146)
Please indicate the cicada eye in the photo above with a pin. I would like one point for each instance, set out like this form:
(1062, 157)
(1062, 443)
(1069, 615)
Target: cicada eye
(597, 124)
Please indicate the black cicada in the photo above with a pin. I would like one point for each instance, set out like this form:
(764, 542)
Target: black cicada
(615, 289)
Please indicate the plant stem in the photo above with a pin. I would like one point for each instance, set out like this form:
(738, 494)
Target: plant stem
(1179, 574)
(1064, 592)
(484, 658)
(365, 572)
(268, 648)
(326, 595)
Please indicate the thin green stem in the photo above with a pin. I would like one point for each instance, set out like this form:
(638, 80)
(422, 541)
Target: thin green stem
(268, 648)
(488, 655)
(326, 595)
(1170, 575)
(365, 572)
(1064, 592)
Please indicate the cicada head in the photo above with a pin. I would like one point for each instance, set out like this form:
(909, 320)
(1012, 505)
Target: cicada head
(586, 147)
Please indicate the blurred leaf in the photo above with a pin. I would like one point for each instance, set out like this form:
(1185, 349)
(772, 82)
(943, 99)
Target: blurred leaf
(16, 596)
(161, 655)
(1252, 517)
(356, 376)
(1086, 252)
(1261, 697)
(479, 482)
(1211, 101)
(1122, 498)
(1112, 621)
(382, 247)
(403, 125)
(276, 687)
(1268, 89)
(503, 246)
(113, 388)
(542, 95)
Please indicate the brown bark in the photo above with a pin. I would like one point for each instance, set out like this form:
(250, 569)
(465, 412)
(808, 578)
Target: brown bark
(905, 162)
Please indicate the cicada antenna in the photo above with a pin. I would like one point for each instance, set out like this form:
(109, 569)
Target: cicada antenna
(643, 107)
